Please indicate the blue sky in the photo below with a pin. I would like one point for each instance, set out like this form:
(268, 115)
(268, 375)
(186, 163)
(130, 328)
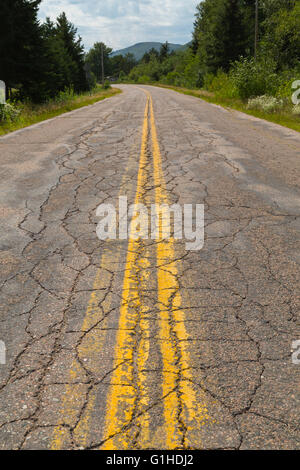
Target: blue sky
(121, 23)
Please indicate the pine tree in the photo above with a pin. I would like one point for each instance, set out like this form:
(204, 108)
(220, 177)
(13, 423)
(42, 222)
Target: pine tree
(220, 33)
(94, 59)
(164, 51)
(57, 61)
(67, 33)
(21, 46)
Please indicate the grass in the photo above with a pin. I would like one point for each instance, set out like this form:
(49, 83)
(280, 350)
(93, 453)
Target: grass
(284, 118)
(32, 114)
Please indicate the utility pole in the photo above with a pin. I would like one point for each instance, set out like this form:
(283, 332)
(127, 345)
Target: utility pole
(256, 29)
(102, 61)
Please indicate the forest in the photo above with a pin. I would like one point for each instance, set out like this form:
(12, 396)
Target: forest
(223, 58)
(226, 56)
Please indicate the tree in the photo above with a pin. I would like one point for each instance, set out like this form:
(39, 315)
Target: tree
(21, 46)
(164, 51)
(58, 64)
(39, 60)
(154, 54)
(146, 58)
(220, 36)
(281, 33)
(67, 33)
(129, 62)
(94, 59)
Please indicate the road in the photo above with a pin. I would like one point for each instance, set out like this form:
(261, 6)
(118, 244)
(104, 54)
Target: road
(143, 344)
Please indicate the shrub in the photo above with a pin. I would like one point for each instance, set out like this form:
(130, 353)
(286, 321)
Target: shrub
(221, 84)
(191, 74)
(106, 85)
(8, 112)
(65, 96)
(254, 78)
(207, 81)
(173, 78)
(296, 110)
(144, 79)
(122, 76)
(286, 80)
(266, 103)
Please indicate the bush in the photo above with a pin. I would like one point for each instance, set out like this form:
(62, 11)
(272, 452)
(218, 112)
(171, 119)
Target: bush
(266, 103)
(106, 85)
(296, 110)
(221, 84)
(65, 96)
(207, 81)
(254, 78)
(144, 79)
(122, 76)
(192, 74)
(172, 78)
(286, 80)
(8, 113)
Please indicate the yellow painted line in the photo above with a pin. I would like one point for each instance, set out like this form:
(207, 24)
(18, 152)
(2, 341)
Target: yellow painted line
(128, 398)
(91, 347)
(182, 410)
(123, 403)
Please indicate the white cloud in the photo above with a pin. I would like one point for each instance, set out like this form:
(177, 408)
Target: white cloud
(121, 23)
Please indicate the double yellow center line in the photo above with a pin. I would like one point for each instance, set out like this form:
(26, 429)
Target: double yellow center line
(128, 403)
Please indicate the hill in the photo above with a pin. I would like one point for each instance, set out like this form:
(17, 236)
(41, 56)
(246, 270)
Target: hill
(138, 50)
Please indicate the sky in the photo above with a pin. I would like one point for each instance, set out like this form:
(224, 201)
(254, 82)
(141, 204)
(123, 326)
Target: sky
(122, 23)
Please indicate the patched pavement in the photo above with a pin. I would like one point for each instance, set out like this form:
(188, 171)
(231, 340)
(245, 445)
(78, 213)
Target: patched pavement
(142, 344)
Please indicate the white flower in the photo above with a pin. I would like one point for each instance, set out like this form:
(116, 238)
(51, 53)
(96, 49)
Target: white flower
(8, 112)
(265, 103)
(296, 110)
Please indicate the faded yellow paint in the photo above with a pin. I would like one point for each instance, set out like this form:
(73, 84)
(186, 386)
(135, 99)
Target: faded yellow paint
(122, 399)
(90, 350)
(181, 406)
(128, 397)
(91, 347)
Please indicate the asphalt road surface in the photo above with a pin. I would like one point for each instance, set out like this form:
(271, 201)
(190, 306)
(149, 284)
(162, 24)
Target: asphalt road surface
(143, 344)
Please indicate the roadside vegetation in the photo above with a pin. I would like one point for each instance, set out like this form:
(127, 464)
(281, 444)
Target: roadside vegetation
(47, 71)
(44, 67)
(23, 114)
(220, 64)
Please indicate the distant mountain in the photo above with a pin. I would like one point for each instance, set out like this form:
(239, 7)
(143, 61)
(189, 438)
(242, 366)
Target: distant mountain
(138, 50)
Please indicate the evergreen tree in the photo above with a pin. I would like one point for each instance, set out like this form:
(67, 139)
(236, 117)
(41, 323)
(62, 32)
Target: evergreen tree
(220, 33)
(121, 63)
(58, 63)
(154, 54)
(164, 51)
(94, 59)
(21, 46)
(146, 58)
(67, 33)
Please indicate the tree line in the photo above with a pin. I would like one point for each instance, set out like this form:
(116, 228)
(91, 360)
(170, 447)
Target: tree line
(222, 49)
(37, 61)
(40, 60)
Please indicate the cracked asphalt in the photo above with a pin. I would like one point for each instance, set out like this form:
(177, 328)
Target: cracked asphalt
(142, 344)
